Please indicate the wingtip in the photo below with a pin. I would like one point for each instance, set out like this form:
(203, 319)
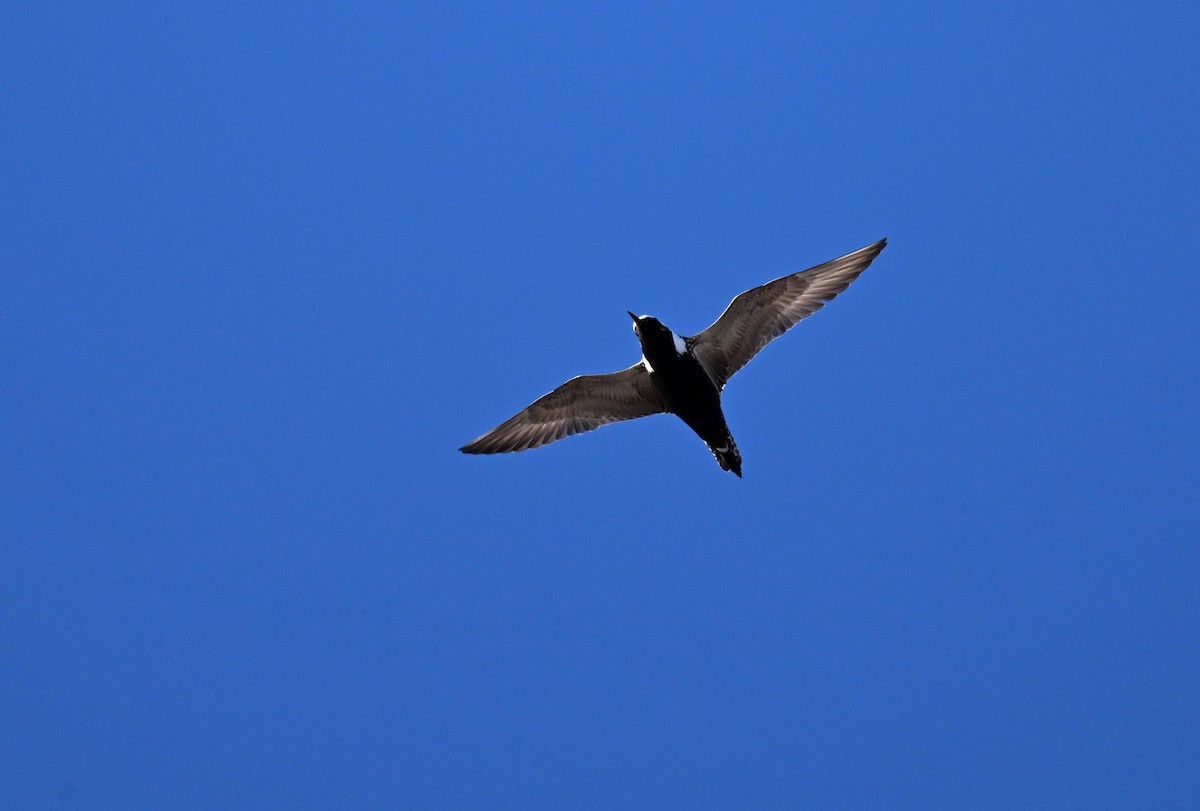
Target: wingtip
(872, 250)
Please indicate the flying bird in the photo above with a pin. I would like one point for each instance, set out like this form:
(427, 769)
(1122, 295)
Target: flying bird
(681, 375)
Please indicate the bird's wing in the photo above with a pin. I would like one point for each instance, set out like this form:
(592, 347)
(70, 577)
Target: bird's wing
(581, 404)
(758, 316)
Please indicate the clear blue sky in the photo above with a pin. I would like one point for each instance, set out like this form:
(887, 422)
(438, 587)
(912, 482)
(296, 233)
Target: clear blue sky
(264, 267)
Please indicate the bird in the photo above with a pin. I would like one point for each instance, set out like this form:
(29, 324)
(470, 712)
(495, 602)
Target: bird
(681, 375)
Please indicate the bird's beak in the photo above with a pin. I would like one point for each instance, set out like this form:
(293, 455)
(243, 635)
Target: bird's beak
(631, 315)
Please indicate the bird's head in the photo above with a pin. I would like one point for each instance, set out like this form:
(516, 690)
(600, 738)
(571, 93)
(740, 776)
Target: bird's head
(649, 329)
(645, 324)
(641, 321)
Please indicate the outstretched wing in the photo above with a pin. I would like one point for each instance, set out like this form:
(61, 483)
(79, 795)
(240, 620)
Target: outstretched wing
(758, 316)
(581, 404)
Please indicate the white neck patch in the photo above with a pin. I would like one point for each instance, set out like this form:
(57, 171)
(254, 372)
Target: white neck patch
(646, 363)
(680, 344)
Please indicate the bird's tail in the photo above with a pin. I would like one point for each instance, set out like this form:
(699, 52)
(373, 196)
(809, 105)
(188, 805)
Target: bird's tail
(727, 454)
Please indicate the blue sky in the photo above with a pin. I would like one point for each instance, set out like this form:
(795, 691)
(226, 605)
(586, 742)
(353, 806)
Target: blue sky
(264, 268)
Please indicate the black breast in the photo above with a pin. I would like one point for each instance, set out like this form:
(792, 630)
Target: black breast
(687, 388)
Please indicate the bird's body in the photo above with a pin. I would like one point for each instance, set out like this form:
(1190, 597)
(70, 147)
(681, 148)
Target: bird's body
(678, 375)
(689, 391)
